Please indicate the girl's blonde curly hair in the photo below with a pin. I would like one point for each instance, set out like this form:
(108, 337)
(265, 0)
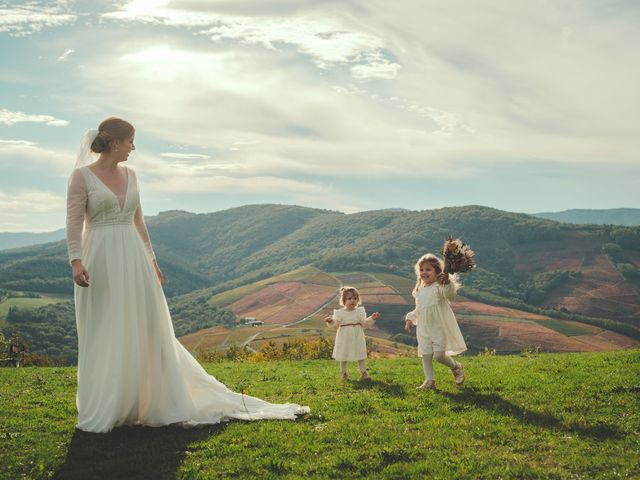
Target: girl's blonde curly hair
(438, 266)
(344, 291)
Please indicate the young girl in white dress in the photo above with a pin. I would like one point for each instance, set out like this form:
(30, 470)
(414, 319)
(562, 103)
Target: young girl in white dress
(437, 330)
(351, 320)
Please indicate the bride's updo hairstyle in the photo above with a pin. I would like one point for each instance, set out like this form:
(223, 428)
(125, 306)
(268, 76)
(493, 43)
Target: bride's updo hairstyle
(111, 129)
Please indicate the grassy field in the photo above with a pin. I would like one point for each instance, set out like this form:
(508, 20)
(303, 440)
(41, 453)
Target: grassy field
(565, 328)
(25, 302)
(536, 416)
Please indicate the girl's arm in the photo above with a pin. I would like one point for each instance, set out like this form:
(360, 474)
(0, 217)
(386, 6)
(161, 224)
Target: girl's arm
(370, 320)
(332, 320)
(412, 317)
(410, 320)
(448, 292)
(447, 288)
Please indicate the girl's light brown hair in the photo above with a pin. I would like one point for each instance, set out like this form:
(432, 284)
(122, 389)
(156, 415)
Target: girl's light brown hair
(344, 291)
(110, 130)
(438, 266)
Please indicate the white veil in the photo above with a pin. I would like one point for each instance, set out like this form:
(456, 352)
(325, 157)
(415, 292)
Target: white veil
(85, 155)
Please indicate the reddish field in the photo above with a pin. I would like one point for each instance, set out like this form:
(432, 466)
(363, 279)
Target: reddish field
(512, 336)
(377, 290)
(283, 303)
(195, 339)
(386, 295)
(601, 291)
(552, 255)
(464, 305)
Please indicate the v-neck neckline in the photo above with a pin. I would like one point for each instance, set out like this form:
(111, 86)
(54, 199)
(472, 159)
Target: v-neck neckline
(126, 192)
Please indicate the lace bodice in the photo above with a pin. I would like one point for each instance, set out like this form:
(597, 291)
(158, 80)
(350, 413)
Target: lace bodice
(92, 203)
(430, 295)
(358, 315)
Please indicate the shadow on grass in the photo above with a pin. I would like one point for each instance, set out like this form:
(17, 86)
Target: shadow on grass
(130, 452)
(389, 389)
(495, 403)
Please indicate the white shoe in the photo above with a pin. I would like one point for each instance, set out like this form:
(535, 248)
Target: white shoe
(458, 374)
(427, 385)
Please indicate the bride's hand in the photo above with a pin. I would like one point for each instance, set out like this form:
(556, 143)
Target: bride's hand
(158, 272)
(79, 273)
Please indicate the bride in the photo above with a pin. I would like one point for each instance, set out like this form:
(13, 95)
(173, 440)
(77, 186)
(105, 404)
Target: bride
(131, 368)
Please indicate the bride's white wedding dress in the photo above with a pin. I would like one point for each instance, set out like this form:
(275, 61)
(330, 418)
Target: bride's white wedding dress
(131, 368)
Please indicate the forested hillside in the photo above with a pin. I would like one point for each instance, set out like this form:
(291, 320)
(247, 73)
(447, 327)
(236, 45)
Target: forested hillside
(585, 272)
(611, 216)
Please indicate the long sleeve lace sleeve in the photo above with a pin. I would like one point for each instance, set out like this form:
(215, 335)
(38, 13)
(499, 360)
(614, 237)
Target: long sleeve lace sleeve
(76, 207)
(138, 220)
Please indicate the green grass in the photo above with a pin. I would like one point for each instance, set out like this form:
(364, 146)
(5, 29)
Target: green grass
(357, 279)
(25, 302)
(501, 318)
(538, 416)
(568, 329)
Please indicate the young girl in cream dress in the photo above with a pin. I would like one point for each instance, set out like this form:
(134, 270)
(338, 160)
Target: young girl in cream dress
(351, 320)
(437, 330)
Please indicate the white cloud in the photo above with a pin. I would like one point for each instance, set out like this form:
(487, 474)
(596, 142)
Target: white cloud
(197, 175)
(34, 16)
(220, 183)
(327, 40)
(30, 210)
(27, 153)
(475, 84)
(30, 201)
(16, 144)
(65, 56)
(11, 118)
(457, 106)
(185, 155)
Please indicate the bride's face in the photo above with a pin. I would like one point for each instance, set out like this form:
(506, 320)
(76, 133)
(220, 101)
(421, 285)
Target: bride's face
(125, 147)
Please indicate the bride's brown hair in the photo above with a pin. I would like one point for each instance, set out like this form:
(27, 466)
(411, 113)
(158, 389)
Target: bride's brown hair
(111, 129)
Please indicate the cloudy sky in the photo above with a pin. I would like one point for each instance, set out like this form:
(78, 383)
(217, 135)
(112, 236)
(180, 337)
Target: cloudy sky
(338, 104)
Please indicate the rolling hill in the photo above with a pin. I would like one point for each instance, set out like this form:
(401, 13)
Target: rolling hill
(24, 239)
(295, 304)
(611, 216)
(585, 273)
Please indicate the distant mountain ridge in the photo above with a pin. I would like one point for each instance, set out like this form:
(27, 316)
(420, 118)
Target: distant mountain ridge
(25, 239)
(584, 273)
(523, 258)
(612, 216)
